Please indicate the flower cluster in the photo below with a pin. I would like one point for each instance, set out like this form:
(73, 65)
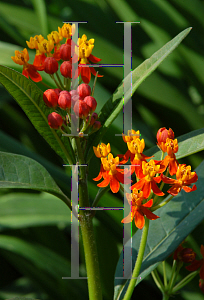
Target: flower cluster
(187, 255)
(51, 51)
(68, 104)
(79, 101)
(148, 173)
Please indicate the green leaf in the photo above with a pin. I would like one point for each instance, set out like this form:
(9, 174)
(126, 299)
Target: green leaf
(43, 266)
(29, 97)
(40, 9)
(20, 210)
(20, 298)
(177, 220)
(189, 143)
(17, 171)
(115, 104)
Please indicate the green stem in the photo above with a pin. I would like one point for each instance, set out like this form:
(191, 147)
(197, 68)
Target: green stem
(161, 204)
(157, 280)
(138, 264)
(164, 273)
(100, 194)
(87, 231)
(184, 281)
(59, 80)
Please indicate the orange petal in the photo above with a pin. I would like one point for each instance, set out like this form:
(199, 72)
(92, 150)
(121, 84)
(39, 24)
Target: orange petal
(94, 59)
(149, 214)
(139, 220)
(149, 203)
(128, 219)
(174, 190)
(156, 190)
(105, 182)
(114, 184)
(85, 74)
(188, 189)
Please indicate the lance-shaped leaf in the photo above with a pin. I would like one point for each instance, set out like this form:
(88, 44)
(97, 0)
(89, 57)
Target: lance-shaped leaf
(114, 105)
(177, 220)
(30, 98)
(17, 171)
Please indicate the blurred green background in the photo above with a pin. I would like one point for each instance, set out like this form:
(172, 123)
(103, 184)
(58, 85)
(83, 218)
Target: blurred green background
(35, 227)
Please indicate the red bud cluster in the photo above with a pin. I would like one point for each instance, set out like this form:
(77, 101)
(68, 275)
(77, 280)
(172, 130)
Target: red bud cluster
(79, 101)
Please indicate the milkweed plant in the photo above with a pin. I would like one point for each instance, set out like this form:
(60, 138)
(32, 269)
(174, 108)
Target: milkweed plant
(150, 182)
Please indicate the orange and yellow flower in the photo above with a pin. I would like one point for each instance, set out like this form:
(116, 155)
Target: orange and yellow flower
(148, 178)
(138, 210)
(100, 151)
(134, 152)
(84, 50)
(112, 174)
(171, 147)
(184, 177)
(22, 58)
(67, 30)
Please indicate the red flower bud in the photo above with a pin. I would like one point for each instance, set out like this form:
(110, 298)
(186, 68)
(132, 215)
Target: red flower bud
(74, 96)
(84, 90)
(187, 255)
(66, 69)
(64, 100)
(57, 91)
(163, 134)
(55, 120)
(91, 102)
(50, 65)
(201, 284)
(94, 117)
(65, 51)
(97, 125)
(81, 109)
(50, 98)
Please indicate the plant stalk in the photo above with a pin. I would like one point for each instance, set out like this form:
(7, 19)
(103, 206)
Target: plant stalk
(138, 264)
(87, 231)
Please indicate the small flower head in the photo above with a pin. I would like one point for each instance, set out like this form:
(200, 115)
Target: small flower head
(50, 65)
(50, 98)
(45, 46)
(66, 69)
(91, 102)
(184, 177)
(131, 135)
(34, 41)
(55, 121)
(170, 146)
(67, 30)
(64, 100)
(111, 173)
(163, 134)
(187, 255)
(196, 264)
(102, 150)
(55, 37)
(110, 163)
(84, 90)
(81, 109)
(150, 169)
(136, 146)
(65, 51)
(201, 284)
(139, 210)
(85, 48)
(21, 57)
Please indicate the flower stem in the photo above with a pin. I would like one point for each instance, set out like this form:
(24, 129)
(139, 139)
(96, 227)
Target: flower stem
(87, 230)
(138, 264)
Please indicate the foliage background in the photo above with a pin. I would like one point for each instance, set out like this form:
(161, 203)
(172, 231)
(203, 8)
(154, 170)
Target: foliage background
(35, 227)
